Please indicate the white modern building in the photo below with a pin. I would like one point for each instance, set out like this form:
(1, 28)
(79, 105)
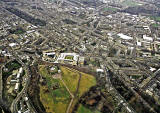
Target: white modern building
(124, 37)
(68, 58)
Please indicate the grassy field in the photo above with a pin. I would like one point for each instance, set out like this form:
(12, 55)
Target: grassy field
(70, 78)
(109, 9)
(69, 57)
(87, 81)
(130, 3)
(156, 18)
(54, 100)
(83, 109)
(155, 25)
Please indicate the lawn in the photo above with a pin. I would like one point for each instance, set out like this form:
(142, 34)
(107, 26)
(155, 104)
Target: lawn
(83, 109)
(155, 25)
(130, 3)
(55, 100)
(69, 57)
(156, 18)
(70, 78)
(109, 9)
(87, 81)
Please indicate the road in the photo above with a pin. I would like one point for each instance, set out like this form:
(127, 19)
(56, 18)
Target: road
(118, 96)
(153, 79)
(24, 90)
(3, 103)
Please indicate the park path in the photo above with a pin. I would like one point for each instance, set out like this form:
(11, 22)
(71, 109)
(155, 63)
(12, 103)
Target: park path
(70, 104)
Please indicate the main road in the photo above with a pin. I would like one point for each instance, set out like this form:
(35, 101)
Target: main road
(24, 90)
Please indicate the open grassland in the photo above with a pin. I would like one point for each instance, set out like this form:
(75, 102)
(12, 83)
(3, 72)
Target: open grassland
(87, 81)
(156, 18)
(109, 9)
(55, 100)
(54, 95)
(130, 3)
(70, 78)
(83, 109)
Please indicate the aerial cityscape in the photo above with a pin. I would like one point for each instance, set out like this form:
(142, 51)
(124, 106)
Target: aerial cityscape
(79, 56)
